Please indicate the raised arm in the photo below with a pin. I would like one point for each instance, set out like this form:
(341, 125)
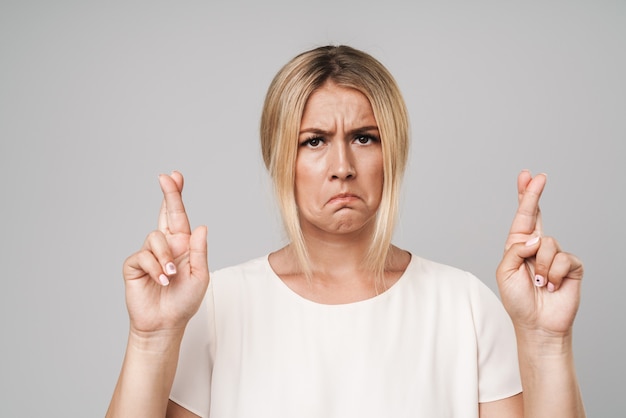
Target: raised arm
(165, 282)
(540, 288)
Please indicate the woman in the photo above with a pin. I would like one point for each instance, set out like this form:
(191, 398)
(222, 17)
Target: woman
(340, 322)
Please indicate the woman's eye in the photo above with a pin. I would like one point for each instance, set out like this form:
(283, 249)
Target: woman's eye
(313, 142)
(365, 139)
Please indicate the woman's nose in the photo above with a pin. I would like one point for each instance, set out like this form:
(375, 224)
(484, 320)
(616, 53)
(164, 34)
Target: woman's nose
(342, 162)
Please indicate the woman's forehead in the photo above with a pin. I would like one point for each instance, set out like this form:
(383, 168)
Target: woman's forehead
(332, 105)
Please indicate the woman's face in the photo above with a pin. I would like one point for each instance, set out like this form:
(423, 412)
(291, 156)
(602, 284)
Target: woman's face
(339, 166)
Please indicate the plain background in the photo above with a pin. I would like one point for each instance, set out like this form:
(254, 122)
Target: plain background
(98, 98)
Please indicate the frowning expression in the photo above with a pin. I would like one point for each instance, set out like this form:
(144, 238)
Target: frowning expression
(339, 166)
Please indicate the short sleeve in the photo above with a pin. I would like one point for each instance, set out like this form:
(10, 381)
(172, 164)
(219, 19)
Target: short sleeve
(498, 365)
(192, 383)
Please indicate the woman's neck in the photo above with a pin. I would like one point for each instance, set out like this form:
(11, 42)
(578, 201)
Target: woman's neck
(338, 271)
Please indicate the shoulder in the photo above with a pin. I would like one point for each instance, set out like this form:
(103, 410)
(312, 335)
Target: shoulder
(448, 286)
(439, 274)
(250, 268)
(235, 282)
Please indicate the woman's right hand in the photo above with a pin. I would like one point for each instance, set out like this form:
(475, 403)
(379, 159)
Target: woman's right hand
(166, 280)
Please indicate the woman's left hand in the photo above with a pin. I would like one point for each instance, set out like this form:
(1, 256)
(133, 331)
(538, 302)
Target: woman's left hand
(539, 283)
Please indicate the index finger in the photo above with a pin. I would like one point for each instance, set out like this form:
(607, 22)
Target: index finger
(172, 217)
(527, 219)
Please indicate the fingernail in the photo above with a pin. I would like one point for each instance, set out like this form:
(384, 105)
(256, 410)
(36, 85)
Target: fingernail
(164, 280)
(170, 268)
(540, 280)
(550, 287)
(532, 241)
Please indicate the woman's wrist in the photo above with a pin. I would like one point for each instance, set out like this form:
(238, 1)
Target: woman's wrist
(155, 342)
(543, 343)
(147, 374)
(548, 375)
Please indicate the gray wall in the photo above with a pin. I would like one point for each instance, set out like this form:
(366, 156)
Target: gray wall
(97, 98)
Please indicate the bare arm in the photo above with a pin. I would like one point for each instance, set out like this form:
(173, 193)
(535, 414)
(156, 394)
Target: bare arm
(176, 411)
(512, 407)
(549, 378)
(549, 382)
(146, 378)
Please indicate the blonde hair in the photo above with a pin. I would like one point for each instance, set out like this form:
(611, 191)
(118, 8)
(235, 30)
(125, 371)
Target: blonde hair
(280, 125)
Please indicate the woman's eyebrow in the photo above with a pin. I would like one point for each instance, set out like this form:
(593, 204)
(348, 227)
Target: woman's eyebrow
(364, 129)
(358, 130)
(314, 131)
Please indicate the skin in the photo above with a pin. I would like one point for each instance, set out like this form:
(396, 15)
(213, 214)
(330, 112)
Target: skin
(338, 188)
(339, 166)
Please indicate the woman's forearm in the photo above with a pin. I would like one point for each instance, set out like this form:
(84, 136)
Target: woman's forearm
(146, 377)
(549, 377)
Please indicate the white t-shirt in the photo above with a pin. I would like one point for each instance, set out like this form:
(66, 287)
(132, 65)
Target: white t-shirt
(435, 344)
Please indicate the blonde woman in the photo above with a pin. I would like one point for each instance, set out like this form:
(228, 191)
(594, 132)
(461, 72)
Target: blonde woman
(340, 322)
